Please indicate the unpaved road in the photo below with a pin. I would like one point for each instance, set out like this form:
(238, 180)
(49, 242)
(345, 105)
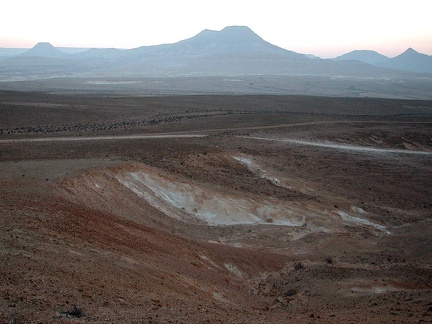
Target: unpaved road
(340, 146)
(192, 134)
(101, 138)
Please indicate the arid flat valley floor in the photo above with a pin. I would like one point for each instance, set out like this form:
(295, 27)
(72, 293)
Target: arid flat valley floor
(230, 209)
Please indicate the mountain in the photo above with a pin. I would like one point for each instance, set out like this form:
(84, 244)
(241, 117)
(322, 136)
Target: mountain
(44, 50)
(106, 53)
(233, 40)
(73, 50)
(410, 60)
(44, 61)
(234, 50)
(312, 57)
(9, 52)
(366, 56)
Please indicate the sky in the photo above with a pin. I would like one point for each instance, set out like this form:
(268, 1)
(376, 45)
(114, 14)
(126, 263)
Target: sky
(323, 28)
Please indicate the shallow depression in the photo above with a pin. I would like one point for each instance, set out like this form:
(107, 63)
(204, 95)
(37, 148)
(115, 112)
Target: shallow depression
(176, 198)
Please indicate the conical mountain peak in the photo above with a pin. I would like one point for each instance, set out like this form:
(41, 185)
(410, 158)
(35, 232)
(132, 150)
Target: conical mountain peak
(44, 49)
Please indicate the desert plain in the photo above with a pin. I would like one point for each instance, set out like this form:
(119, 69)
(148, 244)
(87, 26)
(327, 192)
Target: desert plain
(122, 208)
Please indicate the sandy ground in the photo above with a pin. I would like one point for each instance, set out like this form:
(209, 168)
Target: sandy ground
(226, 227)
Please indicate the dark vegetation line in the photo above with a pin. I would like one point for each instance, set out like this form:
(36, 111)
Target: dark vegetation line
(161, 119)
(194, 133)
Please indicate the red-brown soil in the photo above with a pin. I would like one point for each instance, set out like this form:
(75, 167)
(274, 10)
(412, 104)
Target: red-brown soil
(78, 245)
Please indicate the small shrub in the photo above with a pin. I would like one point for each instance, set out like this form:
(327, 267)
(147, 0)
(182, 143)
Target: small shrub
(329, 260)
(299, 266)
(75, 312)
(290, 292)
(16, 319)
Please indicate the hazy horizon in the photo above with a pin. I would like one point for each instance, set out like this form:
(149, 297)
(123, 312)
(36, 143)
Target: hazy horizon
(323, 28)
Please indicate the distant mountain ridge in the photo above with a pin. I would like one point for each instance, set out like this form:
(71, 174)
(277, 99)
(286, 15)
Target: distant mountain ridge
(44, 49)
(233, 40)
(366, 56)
(409, 61)
(99, 53)
(234, 50)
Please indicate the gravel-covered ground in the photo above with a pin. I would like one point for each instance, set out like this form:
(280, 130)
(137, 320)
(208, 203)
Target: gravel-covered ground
(83, 241)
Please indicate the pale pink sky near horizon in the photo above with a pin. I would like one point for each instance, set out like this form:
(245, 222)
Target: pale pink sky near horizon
(323, 28)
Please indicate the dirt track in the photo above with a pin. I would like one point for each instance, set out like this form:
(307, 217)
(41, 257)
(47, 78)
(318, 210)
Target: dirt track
(340, 146)
(100, 138)
(221, 228)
